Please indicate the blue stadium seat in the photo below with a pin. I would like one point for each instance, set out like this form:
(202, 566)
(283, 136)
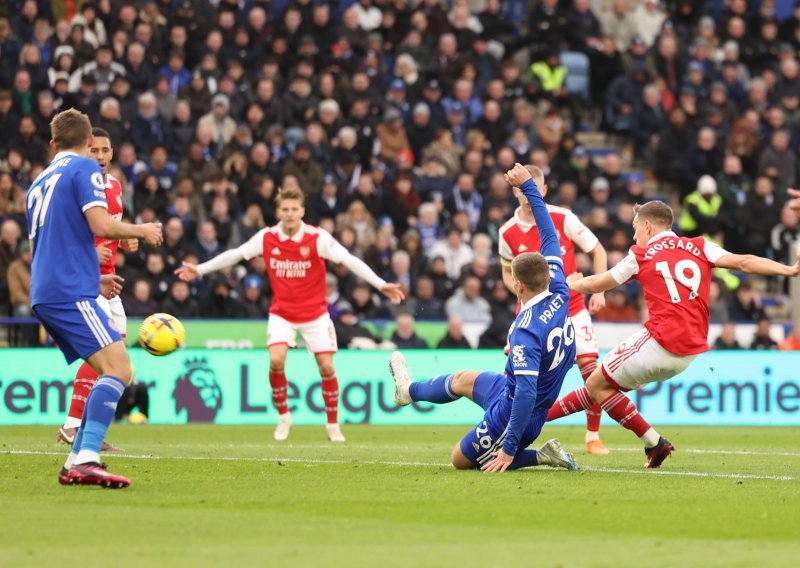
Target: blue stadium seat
(577, 80)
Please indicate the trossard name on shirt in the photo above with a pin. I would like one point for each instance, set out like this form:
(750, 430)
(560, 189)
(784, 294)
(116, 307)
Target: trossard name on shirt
(669, 244)
(289, 268)
(551, 309)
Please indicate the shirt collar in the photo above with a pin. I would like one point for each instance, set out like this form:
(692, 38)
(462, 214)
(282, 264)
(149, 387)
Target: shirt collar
(536, 299)
(524, 225)
(297, 237)
(660, 235)
(63, 154)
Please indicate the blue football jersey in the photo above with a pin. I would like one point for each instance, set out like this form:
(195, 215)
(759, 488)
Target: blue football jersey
(541, 339)
(65, 267)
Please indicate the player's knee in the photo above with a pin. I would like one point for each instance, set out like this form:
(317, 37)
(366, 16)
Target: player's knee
(276, 366)
(463, 382)
(598, 386)
(326, 370)
(459, 460)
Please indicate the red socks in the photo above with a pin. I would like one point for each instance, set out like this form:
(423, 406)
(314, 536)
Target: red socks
(85, 379)
(587, 366)
(621, 408)
(277, 380)
(573, 402)
(330, 393)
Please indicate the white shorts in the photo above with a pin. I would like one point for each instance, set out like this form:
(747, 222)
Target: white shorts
(640, 360)
(319, 335)
(114, 309)
(585, 337)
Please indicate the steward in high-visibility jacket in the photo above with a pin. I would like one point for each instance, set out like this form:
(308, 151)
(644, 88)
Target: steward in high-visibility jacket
(549, 74)
(700, 214)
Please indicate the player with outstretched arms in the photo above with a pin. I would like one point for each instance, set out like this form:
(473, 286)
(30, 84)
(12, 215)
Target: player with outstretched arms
(520, 234)
(675, 275)
(295, 255)
(66, 207)
(86, 377)
(542, 342)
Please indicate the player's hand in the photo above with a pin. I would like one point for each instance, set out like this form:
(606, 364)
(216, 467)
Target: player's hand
(130, 245)
(111, 285)
(499, 464)
(597, 302)
(518, 175)
(103, 253)
(574, 277)
(794, 204)
(187, 271)
(152, 234)
(392, 291)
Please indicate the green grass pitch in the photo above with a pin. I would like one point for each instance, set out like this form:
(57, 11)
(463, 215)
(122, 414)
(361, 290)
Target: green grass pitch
(231, 496)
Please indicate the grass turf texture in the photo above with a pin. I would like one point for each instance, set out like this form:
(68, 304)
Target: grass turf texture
(223, 495)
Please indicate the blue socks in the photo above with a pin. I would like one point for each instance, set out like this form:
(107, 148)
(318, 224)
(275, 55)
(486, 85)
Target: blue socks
(438, 390)
(528, 458)
(100, 408)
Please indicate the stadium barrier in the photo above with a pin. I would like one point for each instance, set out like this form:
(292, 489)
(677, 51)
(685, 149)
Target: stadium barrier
(232, 387)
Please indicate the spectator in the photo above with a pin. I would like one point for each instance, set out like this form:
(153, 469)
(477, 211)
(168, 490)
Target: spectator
(467, 303)
(19, 281)
(454, 338)
(220, 304)
(704, 158)
(718, 304)
(350, 334)
(784, 234)
(727, 339)
(309, 173)
(180, 303)
(647, 19)
(428, 307)
(254, 301)
(455, 253)
(405, 336)
(140, 302)
(149, 127)
(701, 209)
(618, 308)
(762, 211)
(746, 305)
(762, 341)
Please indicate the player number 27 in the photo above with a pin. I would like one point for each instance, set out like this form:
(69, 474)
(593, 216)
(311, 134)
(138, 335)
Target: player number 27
(39, 202)
(686, 272)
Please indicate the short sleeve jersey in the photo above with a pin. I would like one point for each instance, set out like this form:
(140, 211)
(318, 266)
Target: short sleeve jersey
(296, 269)
(65, 267)
(675, 274)
(517, 237)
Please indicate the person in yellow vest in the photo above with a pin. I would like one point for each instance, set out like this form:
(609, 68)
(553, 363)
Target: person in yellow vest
(548, 82)
(700, 214)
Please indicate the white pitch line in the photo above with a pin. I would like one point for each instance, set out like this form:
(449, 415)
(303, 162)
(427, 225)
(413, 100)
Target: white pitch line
(718, 452)
(406, 464)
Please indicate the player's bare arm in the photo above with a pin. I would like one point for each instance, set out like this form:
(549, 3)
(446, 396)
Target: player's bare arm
(751, 264)
(102, 225)
(594, 284)
(600, 264)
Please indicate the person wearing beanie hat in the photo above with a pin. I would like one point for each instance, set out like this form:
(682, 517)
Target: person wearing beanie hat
(700, 214)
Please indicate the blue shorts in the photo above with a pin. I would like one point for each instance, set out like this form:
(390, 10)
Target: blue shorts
(80, 329)
(489, 392)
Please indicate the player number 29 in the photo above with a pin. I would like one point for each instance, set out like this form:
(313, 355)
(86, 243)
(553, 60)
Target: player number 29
(686, 272)
(39, 202)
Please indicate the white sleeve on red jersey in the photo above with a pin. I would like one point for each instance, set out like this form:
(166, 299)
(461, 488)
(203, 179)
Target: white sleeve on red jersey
(579, 233)
(713, 251)
(251, 249)
(625, 269)
(331, 249)
(254, 246)
(506, 254)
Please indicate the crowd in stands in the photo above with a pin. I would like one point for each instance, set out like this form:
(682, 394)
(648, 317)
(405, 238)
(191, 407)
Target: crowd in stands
(397, 119)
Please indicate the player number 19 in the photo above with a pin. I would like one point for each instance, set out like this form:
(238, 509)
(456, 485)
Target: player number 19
(686, 272)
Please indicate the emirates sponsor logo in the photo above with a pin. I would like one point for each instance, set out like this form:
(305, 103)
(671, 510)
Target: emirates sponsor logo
(289, 268)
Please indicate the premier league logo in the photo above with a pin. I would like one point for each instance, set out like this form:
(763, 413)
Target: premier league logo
(198, 392)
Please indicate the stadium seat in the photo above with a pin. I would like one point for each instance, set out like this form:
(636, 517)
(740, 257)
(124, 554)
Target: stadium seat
(577, 80)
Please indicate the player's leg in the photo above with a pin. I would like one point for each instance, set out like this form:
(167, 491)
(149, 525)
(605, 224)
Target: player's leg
(281, 336)
(86, 377)
(330, 395)
(439, 390)
(279, 385)
(586, 350)
(320, 338)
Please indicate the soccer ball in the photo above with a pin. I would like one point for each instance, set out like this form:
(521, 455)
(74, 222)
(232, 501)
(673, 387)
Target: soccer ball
(161, 334)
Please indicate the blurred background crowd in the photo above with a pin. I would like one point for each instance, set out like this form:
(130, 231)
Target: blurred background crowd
(397, 119)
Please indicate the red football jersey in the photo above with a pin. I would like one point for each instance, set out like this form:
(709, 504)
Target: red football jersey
(115, 209)
(296, 268)
(517, 236)
(675, 274)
